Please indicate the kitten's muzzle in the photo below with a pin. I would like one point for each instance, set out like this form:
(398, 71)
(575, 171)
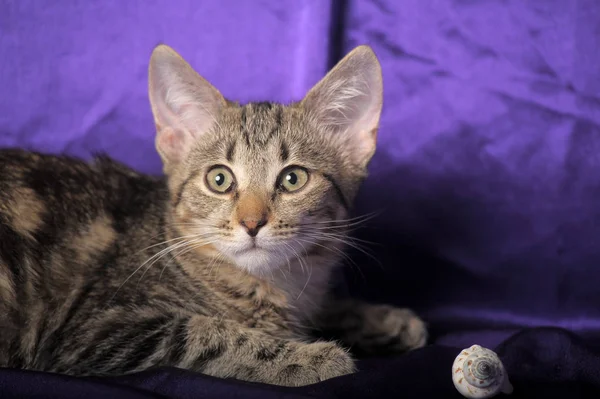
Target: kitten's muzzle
(253, 225)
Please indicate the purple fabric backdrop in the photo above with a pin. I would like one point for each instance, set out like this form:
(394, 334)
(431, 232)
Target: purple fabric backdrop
(490, 140)
(74, 72)
(487, 173)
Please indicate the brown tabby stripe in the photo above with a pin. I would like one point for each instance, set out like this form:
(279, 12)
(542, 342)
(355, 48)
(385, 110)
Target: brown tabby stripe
(338, 190)
(230, 151)
(284, 154)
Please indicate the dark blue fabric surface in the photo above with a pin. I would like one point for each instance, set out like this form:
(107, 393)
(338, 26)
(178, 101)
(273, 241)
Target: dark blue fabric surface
(487, 174)
(542, 363)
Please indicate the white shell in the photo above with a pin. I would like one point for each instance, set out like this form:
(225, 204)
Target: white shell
(479, 373)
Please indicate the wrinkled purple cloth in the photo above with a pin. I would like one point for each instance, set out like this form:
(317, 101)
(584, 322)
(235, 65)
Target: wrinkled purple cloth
(486, 180)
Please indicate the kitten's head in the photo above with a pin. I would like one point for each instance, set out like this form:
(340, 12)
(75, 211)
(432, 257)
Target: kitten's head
(263, 183)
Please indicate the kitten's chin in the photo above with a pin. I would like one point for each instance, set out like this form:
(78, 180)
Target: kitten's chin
(258, 261)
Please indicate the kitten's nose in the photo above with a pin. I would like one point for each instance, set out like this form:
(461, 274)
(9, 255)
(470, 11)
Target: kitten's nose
(253, 224)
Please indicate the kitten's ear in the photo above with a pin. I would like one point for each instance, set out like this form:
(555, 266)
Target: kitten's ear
(185, 105)
(348, 102)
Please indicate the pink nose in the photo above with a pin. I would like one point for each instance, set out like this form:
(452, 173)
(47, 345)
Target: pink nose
(253, 225)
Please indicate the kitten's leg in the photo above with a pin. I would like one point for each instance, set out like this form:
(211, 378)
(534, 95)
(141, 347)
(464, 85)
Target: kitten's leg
(216, 347)
(370, 329)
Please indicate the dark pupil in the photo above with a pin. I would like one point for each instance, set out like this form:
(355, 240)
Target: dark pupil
(292, 178)
(220, 179)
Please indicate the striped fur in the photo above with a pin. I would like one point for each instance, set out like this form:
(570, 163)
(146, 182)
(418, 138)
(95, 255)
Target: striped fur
(105, 271)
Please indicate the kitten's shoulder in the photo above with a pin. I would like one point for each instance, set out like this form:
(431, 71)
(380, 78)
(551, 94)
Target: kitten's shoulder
(65, 182)
(18, 165)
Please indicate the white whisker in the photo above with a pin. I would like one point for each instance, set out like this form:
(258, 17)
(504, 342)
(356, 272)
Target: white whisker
(167, 251)
(306, 284)
(185, 251)
(343, 240)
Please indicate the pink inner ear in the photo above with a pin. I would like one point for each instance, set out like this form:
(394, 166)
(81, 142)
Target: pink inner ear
(172, 143)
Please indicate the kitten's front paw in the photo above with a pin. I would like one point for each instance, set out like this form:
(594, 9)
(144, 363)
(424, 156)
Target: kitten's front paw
(388, 329)
(312, 363)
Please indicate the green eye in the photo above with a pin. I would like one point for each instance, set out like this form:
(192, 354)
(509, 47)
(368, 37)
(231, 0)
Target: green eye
(220, 179)
(293, 178)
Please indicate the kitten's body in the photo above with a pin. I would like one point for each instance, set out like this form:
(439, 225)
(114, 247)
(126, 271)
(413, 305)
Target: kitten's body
(105, 271)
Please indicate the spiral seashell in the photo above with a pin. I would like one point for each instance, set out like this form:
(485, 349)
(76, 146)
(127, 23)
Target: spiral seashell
(479, 373)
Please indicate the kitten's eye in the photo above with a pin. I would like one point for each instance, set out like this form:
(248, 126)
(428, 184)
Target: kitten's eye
(220, 179)
(293, 178)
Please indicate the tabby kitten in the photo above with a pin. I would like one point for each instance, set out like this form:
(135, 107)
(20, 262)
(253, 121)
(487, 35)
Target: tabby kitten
(223, 266)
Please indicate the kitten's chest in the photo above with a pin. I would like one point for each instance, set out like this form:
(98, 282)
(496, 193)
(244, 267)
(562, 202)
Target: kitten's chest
(253, 302)
(305, 291)
(283, 305)
(289, 303)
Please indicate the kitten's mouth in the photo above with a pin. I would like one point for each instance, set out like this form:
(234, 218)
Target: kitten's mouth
(252, 248)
